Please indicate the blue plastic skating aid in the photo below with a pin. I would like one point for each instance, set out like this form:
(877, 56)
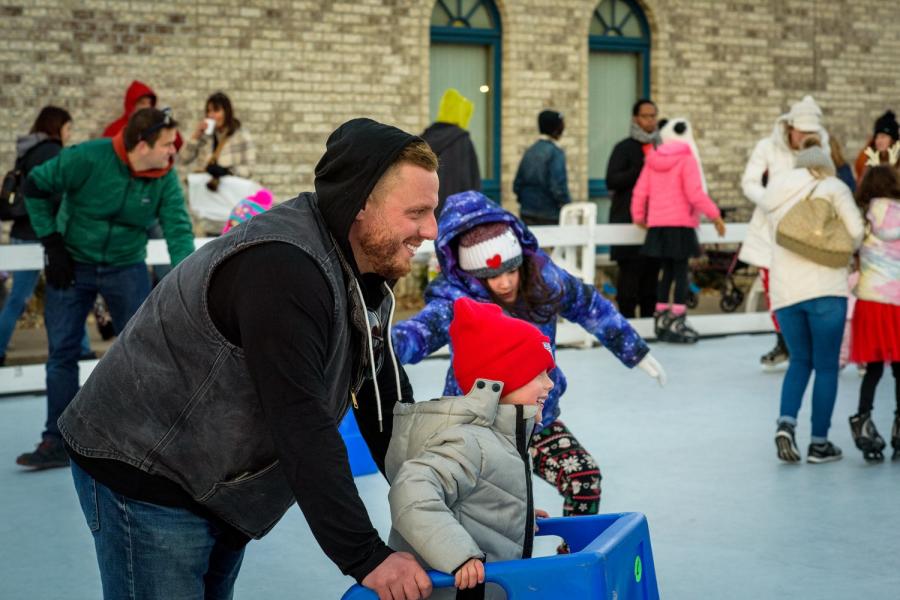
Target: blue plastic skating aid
(361, 462)
(611, 558)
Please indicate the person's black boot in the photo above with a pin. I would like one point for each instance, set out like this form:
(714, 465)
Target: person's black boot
(786, 443)
(49, 454)
(866, 436)
(822, 453)
(776, 355)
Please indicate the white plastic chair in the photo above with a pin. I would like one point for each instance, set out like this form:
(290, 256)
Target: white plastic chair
(579, 259)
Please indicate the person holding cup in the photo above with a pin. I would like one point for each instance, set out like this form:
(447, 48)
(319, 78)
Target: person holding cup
(220, 146)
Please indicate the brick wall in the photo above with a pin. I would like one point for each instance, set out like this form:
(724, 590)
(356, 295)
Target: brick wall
(297, 68)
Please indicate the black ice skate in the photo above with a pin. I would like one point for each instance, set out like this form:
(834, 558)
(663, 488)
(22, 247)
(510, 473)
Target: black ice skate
(866, 437)
(678, 331)
(895, 437)
(661, 322)
(776, 355)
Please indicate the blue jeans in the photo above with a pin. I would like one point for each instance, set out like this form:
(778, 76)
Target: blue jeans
(23, 286)
(150, 552)
(813, 331)
(123, 288)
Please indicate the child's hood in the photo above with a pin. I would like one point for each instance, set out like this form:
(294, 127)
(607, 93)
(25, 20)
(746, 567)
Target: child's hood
(415, 424)
(668, 155)
(461, 213)
(884, 219)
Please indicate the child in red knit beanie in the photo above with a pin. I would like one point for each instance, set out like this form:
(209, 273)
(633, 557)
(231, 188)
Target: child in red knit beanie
(459, 466)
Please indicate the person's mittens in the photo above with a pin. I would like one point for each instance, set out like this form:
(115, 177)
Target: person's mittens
(59, 268)
(217, 170)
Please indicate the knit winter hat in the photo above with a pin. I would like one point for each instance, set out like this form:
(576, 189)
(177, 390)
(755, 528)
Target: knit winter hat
(488, 344)
(489, 250)
(249, 207)
(887, 123)
(805, 115)
(549, 121)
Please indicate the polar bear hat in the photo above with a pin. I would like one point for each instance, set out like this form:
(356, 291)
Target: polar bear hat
(680, 129)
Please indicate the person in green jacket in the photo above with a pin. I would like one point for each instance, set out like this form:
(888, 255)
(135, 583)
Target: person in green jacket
(114, 189)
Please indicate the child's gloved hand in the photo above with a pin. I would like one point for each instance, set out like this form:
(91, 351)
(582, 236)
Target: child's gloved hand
(655, 370)
(470, 574)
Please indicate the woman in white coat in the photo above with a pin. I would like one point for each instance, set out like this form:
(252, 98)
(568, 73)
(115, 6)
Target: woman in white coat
(809, 300)
(771, 157)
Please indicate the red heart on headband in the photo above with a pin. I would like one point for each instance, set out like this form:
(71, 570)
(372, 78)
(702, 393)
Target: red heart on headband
(494, 262)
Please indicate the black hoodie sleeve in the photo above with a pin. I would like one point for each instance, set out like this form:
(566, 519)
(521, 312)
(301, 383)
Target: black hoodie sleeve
(273, 301)
(367, 412)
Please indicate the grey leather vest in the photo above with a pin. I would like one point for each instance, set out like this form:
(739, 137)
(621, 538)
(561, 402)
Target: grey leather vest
(173, 397)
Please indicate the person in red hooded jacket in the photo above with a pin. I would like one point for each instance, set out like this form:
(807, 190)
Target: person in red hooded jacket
(138, 95)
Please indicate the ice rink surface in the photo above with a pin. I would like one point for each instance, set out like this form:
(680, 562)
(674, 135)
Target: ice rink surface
(727, 519)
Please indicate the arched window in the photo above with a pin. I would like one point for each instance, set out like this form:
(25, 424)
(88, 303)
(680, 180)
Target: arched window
(619, 74)
(465, 54)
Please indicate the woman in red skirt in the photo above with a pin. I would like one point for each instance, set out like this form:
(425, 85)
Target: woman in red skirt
(876, 320)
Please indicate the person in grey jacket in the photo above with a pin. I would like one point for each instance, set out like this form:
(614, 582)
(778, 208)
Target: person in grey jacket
(459, 466)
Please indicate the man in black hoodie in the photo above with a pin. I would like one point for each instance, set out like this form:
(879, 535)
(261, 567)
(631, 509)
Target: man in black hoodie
(218, 407)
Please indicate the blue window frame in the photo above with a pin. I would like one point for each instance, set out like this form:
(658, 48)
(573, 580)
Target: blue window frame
(465, 54)
(619, 74)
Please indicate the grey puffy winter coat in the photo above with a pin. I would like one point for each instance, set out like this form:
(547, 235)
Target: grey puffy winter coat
(461, 478)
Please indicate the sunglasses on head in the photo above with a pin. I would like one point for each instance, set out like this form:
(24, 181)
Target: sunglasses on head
(164, 122)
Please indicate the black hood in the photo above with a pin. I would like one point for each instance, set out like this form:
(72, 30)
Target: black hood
(356, 156)
(441, 136)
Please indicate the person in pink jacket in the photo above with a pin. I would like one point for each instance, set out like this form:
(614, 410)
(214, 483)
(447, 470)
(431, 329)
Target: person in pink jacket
(668, 198)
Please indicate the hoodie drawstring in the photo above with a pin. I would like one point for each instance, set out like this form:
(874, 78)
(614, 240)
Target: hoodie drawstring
(370, 347)
(390, 343)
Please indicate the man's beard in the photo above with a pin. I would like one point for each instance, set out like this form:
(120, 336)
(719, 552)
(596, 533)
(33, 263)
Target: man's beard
(383, 253)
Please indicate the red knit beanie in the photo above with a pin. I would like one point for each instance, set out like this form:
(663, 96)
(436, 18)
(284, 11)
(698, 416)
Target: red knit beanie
(488, 344)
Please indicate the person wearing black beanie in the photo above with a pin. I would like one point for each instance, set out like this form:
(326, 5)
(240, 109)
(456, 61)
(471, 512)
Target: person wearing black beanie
(887, 125)
(541, 184)
(885, 136)
(253, 350)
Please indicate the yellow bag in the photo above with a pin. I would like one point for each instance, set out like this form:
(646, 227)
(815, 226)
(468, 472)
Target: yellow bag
(813, 229)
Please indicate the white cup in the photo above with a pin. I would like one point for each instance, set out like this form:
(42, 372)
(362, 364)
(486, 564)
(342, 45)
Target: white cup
(210, 126)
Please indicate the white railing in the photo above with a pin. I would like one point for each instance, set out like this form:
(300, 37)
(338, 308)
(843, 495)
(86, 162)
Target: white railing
(30, 378)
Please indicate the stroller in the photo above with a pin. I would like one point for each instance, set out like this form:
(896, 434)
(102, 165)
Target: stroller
(715, 265)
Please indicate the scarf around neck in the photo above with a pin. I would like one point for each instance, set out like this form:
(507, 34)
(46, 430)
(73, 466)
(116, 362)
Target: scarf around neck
(643, 137)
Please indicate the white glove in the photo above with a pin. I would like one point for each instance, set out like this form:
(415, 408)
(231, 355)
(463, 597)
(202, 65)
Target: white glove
(652, 367)
(872, 158)
(893, 154)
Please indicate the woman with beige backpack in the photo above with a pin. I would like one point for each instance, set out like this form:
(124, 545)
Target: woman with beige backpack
(219, 146)
(817, 227)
